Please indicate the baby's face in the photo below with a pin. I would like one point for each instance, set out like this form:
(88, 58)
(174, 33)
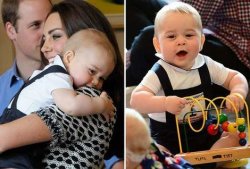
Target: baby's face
(179, 39)
(90, 67)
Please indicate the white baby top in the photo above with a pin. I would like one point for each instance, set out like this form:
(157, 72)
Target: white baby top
(38, 94)
(183, 79)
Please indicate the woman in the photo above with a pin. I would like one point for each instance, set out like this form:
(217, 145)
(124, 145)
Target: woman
(87, 16)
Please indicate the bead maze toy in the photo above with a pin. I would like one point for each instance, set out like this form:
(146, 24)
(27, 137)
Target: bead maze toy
(222, 154)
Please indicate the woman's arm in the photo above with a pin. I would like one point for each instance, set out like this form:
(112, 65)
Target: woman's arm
(24, 131)
(49, 124)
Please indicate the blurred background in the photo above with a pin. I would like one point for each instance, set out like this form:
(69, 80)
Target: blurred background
(113, 9)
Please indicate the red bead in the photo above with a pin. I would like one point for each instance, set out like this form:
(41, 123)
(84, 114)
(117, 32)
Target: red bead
(225, 126)
(211, 129)
(242, 135)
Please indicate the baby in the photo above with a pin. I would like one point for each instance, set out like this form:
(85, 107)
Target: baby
(138, 139)
(141, 151)
(183, 72)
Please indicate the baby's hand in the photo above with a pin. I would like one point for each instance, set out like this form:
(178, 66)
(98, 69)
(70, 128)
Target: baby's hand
(175, 104)
(236, 100)
(108, 107)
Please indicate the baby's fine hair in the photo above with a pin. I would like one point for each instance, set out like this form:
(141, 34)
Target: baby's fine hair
(179, 7)
(137, 131)
(85, 38)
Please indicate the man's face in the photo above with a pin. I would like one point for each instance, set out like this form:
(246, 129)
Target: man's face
(27, 38)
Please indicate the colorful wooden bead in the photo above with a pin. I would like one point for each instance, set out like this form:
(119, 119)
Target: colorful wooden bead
(232, 127)
(208, 122)
(242, 135)
(242, 142)
(242, 128)
(240, 121)
(224, 126)
(223, 118)
(212, 130)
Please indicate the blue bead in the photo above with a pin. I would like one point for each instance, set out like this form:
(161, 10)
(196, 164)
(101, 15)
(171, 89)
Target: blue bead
(242, 142)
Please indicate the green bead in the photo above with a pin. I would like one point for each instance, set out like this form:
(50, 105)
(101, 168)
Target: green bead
(242, 128)
(223, 118)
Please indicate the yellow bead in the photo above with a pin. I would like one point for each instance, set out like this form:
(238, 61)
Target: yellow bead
(240, 121)
(232, 127)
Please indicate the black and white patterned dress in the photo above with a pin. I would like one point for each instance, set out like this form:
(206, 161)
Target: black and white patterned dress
(78, 142)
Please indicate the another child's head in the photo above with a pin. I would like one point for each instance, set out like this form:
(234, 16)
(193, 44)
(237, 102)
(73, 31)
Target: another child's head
(89, 58)
(178, 34)
(138, 138)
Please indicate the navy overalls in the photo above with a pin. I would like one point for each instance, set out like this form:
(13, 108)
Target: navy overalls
(166, 133)
(24, 157)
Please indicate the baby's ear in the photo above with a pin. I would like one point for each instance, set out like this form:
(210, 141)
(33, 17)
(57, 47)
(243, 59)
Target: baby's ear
(156, 44)
(68, 56)
(202, 41)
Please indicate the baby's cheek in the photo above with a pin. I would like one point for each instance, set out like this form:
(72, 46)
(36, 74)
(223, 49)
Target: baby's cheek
(76, 82)
(99, 86)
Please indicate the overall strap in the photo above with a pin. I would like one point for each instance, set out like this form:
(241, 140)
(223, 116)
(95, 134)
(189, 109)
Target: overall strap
(204, 87)
(164, 79)
(51, 69)
(166, 85)
(205, 78)
(206, 82)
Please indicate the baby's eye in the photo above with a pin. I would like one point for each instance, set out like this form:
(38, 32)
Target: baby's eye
(189, 35)
(91, 71)
(170, 36)
(102, 79)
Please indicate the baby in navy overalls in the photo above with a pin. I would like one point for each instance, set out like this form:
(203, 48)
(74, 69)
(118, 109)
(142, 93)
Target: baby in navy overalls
(180, 72)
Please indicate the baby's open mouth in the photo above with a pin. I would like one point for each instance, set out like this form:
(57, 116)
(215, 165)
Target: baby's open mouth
(181, 53)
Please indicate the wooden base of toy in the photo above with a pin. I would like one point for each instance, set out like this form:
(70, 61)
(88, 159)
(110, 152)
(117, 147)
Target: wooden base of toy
(235, 163)
(218, 155)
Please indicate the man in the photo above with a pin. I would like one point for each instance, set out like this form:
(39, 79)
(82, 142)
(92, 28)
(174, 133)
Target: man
(23, 22)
